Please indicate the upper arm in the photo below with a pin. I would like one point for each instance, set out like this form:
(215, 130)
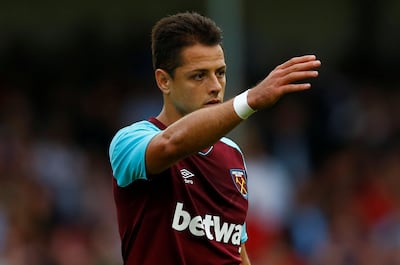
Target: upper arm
(190, 134)
(127, 152)
(161, 153)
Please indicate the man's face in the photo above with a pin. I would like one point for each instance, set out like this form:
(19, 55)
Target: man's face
(200, 80)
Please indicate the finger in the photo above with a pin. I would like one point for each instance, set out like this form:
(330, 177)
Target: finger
(304, 66)
(297, 60)
(289, 88)
(300, 68)
(297, 76)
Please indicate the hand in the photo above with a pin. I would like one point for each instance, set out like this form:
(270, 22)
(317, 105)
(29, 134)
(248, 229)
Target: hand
(281, 81)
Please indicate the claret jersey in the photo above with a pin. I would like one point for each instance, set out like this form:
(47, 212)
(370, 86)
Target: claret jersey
(192, 213)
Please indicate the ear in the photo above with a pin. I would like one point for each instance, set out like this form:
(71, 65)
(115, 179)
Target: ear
(163, 80)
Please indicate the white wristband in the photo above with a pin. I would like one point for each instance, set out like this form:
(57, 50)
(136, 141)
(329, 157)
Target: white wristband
(241, 107)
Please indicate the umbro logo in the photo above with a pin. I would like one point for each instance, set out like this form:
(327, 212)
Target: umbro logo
(187, 176)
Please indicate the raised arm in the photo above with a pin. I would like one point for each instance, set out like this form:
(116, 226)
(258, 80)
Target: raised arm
(204, 127)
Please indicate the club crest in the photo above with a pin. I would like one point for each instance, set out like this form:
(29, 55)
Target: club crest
(240, 180)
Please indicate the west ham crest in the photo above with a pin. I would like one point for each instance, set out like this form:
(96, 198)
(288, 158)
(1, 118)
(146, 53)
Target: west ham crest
(240, 179)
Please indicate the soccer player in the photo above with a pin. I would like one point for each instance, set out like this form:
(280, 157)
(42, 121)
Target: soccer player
(179, 184)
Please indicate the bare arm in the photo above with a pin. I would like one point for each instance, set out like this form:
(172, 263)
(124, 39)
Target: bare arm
(204, 127)
(244, 256)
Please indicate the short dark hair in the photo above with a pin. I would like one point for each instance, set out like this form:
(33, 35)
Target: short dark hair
(173, 33)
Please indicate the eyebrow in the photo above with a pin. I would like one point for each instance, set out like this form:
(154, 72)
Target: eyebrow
(206, 70)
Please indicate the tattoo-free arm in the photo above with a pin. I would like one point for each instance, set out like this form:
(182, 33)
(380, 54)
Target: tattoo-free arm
(244, 256)
(204, 127)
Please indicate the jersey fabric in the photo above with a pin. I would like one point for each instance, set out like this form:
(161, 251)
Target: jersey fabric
(192, 213)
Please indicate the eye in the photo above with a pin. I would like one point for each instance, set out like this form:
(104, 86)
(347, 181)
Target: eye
(221, 73)
(198, 76)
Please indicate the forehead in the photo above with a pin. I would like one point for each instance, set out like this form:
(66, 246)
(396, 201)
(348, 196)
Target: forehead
(202, 57)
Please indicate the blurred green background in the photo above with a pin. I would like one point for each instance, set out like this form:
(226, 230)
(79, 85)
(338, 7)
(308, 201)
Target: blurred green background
(324, 165)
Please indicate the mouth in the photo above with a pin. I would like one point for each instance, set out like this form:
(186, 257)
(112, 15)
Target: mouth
(213, 102)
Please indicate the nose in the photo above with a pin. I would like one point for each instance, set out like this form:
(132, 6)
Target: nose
(216, 84)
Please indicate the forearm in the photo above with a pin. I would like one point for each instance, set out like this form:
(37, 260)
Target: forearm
(190, 134)
(204, 127)
(244, 256)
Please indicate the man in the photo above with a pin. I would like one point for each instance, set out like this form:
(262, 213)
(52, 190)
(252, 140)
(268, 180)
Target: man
(179, 184)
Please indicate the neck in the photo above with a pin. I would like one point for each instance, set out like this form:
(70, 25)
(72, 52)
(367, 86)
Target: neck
(166, 117)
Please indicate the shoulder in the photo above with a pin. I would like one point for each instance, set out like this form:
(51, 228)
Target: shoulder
(127, 151)
(230, 143)
(139, 128)
(135, 132)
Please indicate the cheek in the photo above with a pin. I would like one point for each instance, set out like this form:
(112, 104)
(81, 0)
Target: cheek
(223, 84)
(192, 100)
(187, 95)
(187, 101)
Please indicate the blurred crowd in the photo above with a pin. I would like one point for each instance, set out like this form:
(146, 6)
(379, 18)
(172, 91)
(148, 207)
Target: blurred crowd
(326, 181)
(324, 165)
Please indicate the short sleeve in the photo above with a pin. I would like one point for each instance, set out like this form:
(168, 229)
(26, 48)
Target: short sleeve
(244, 236)
(127, 152)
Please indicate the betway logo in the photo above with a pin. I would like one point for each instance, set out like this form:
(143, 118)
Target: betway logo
(209, 226)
